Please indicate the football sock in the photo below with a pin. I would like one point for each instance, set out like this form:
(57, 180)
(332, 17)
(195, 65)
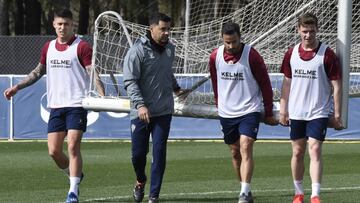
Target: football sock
(245, 188)
(315, 188)
(74, 185)
(298, 187)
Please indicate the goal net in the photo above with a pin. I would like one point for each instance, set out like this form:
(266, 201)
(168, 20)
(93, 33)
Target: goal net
(269, 26)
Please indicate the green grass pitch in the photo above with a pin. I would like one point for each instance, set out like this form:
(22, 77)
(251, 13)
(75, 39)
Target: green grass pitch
(196, 172)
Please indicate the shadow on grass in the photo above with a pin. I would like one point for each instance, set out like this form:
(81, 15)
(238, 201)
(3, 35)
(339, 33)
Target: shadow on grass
(177, 199)
(259, 198)
(268, 198)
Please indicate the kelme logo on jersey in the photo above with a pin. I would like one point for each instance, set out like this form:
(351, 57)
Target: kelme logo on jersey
(301, 73)
(57, 63)
(232, 76)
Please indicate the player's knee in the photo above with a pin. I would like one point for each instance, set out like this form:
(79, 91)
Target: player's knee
(298, 153)
(315, 151)
(73, 149)
(246, 147)
(235, 153)
(55, 152)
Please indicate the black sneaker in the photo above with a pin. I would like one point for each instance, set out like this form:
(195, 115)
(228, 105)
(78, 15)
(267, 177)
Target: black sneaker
(138, 192)
(246, 198)
(153, 200)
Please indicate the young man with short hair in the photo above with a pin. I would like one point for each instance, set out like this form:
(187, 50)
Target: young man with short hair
(312, 75)
(242, 88)
(67, 62)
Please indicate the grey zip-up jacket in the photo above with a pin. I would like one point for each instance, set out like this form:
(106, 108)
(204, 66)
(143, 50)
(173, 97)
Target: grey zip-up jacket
(149, 79)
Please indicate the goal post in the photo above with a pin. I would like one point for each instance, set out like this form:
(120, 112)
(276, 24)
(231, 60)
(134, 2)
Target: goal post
(269, 26)
(343, 47)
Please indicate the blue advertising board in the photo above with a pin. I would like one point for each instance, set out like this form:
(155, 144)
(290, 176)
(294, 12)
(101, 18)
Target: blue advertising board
(4, 109)
(30, 117)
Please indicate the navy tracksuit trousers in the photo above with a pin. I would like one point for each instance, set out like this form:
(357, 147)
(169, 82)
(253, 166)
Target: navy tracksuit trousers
(158, 128)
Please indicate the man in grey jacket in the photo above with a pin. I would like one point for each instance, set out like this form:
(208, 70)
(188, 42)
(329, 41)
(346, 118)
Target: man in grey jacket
(150, 84)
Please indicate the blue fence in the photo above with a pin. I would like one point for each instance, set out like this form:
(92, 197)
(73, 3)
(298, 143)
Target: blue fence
(30, 115)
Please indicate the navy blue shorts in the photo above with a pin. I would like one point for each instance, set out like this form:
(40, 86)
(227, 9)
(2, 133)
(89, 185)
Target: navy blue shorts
(68, 118)
(247, 125)
(315, 128)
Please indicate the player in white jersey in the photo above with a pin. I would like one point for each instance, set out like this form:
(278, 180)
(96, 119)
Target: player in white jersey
(241, 87)
(67, 63)
(311, 76)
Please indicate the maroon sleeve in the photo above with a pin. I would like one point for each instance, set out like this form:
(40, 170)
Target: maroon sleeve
(44, 53)
(259, 71)
(213, 74)
(84, 53)
(285, 66)
(332, 65)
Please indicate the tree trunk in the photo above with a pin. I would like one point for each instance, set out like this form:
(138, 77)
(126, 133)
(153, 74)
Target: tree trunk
(176, 9)
(19, 18)
(61, 4)
(4, 17)
(96, 8)
(182, 13)
(32, 17)
(49, 17)
(153, 7)
(144, 10)
(83, 17)
(115, 5)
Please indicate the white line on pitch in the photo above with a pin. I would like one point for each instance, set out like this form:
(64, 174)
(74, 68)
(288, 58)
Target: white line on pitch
(218, 192)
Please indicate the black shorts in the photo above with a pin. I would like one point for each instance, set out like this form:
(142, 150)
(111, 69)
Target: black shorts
(68, 118)
(315, 128)
(247, 125)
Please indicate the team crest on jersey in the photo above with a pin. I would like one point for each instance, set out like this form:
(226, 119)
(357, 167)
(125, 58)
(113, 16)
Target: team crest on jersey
(324, 132)
(151, 55)
(168, 52)
(133, 128)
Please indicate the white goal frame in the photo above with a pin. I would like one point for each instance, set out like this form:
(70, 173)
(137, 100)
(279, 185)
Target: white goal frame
(122, 104)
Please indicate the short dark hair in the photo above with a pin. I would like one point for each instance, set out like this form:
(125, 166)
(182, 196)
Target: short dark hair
(307, 19)
(156, 17)
(230, 28)
(63, 13)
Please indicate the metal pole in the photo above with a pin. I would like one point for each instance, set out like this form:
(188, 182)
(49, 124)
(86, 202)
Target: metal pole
(343, 46)
(11, 136)
(186, 34)
(281, 23)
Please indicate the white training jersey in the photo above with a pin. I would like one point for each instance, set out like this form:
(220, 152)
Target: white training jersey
(238, 92)
(67, 80)
(310, 89)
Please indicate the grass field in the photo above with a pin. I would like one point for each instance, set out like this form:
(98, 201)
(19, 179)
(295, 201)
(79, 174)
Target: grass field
(196, 172)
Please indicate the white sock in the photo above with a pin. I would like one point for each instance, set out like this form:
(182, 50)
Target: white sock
(74, 185)
(66, 171)
(245, 188)
(299, 190)
(315, 188)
